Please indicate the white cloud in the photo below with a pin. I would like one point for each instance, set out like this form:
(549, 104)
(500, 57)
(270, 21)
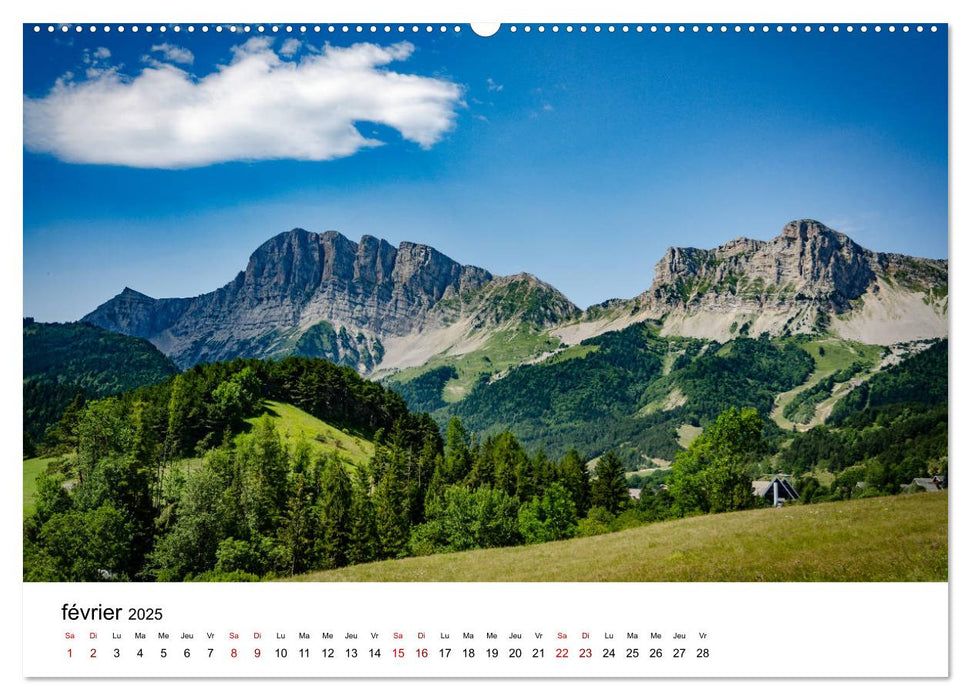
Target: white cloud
(175, 54)
(95, 62)
(290, 47)
(493, 85)
(258, 107)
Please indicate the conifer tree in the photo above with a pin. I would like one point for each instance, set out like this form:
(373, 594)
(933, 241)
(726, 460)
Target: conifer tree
(458, 457)
(544, 471)
(390, 502)
(262, 463)
(572, 473)
(609, 489)
(419, 484)
(483, 467)
(65, 431)
(361, 541)
(180, 415)
(527, 481)
(436, 487)
(336, 511)
(507, 455)
(296, 532)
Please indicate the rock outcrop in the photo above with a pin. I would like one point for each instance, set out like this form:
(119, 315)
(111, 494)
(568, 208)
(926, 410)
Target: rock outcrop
(801, 281)
(376, 307)
(322, 294)
(809, 279)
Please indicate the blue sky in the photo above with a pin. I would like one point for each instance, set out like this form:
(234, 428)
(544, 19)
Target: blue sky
(577, 157)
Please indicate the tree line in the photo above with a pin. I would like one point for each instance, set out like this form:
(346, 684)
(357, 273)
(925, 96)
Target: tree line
(63, 361)
(595, 402)
(168, 482)
(128, 502)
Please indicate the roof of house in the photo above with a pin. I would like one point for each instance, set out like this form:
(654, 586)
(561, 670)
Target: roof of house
(931, 484)
(763, 488)
(760, 488)
(634, 493)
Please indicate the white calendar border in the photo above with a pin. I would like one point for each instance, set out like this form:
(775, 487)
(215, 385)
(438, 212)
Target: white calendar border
(502, 630)
(509, 10)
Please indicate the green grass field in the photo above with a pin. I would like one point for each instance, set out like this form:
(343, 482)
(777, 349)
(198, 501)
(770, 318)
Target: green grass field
(687, 434)
(837, 354)
(895, 538)
(292, 423)
(504, 350)
(574, 351)
(32, 469)
(295, 425)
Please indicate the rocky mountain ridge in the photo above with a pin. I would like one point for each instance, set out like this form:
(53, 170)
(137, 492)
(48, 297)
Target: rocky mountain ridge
(808, 279)
(807, 261)
(322, 294)
(376, 307)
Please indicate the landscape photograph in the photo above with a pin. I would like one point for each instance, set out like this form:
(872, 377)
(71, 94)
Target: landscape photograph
(405, 303)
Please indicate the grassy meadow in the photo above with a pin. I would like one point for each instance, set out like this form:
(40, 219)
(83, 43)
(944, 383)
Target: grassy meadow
(295, 425)
(837, 354)
(893, 538)
(32, 469)
(504, 350)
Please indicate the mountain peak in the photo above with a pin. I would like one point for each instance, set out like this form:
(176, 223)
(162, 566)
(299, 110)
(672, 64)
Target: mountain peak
(372, 305)
(293, 282)
(129, 293)
(798, 282)
(807, 260)
(526, 277)
(805, 228)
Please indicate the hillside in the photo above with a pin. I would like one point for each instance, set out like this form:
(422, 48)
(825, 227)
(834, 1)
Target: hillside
(296, 426)
(62, 360)
(921, 378)
(293, 425)
(227, 468)
(898, 538)
(642, 394)
(630, 390)
(886, 430)
(839, 365)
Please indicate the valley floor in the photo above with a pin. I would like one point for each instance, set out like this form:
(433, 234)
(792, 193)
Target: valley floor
(895, 538)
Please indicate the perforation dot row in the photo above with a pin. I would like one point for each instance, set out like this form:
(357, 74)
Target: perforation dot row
(428, 28)
(724, 28)
(246, 28)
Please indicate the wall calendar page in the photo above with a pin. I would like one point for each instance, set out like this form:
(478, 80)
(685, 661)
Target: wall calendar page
(612, 350)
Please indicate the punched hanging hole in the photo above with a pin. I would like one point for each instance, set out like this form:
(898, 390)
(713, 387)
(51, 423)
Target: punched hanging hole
(485, 29)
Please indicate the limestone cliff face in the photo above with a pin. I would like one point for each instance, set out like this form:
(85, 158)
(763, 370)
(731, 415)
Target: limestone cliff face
(807, 261)
(322, 294)
(368, 303)
(799, 282)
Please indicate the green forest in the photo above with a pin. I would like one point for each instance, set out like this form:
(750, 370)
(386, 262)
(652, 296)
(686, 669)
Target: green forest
(127, 502)
(64, 361)
(180, 480)
(883, 434)
(618, 395)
